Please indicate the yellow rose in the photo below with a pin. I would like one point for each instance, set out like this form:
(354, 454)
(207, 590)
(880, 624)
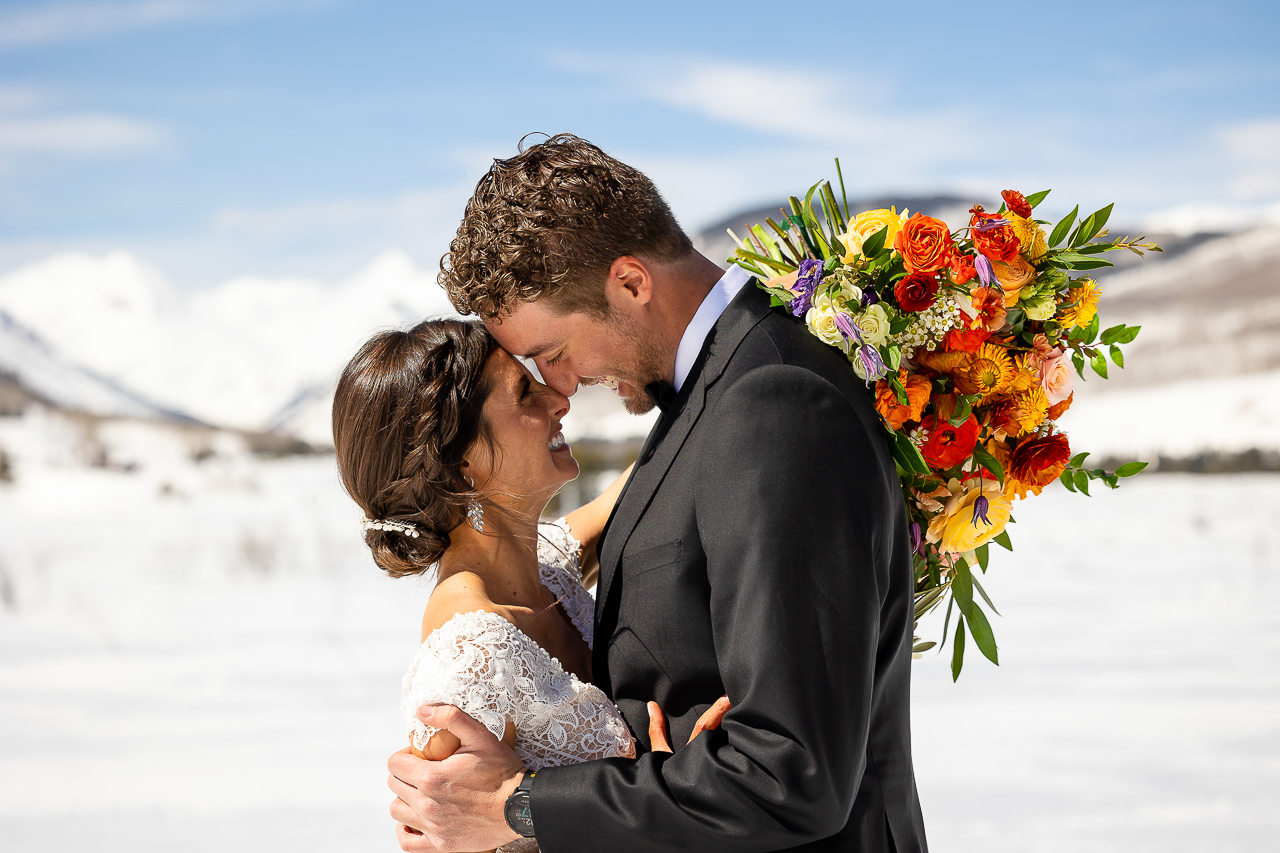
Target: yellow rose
(865, 225)
(821, 318)
(873, 324)
(964, 525)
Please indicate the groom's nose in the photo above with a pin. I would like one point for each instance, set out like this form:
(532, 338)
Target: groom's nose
(560, 378)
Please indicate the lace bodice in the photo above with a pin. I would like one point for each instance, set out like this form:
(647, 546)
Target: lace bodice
(490, 669)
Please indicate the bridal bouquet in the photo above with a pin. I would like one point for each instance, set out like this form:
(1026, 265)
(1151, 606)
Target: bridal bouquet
(970, 337)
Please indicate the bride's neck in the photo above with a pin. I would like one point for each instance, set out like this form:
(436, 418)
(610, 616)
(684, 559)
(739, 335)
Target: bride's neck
(504, 555)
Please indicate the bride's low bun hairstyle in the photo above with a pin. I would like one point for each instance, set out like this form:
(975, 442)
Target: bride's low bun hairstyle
(406, 410)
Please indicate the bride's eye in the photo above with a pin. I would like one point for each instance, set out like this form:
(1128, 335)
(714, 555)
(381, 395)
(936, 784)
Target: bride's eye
(524, 388)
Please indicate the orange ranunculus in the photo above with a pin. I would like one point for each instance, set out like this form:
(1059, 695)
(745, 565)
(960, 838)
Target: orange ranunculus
(1021, 413)
(1038, 461)
(947, 445)
(1059, 409)
(1080, 304)
(989, 303)
(1016, 202)
(965, 340)
(998, 243)
(924, 243)
(1013, 276)
(896, 414)
(962, 268)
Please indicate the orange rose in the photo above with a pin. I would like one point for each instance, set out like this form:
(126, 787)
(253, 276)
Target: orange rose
(1013, 276)
(896, 414)
(924, 243)
(998, 243)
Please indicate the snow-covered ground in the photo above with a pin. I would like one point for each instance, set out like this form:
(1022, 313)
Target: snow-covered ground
(201, 656)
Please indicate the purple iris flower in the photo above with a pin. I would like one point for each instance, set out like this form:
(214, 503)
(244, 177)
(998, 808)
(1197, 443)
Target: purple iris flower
(869, 297)
(985, 272)
(872, 363)
(807, 280)
(990, 224)
(980, 507)
(845, 324)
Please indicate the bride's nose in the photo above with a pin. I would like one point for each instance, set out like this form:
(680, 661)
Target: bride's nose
(557, 403)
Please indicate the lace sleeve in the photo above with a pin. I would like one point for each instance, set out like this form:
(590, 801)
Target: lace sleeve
(559, 548)
(472, 662)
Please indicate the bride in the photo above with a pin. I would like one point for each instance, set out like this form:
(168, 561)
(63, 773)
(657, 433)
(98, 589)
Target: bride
(453, 449)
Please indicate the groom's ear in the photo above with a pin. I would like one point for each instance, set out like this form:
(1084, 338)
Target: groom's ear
(629, 282)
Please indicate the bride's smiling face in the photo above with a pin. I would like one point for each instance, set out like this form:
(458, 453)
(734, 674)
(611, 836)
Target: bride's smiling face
(532, 459)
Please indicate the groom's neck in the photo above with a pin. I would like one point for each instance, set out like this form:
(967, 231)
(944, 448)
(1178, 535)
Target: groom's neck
(680, 289)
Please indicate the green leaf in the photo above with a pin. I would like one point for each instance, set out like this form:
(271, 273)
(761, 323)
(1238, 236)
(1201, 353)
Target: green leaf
(962, 587)
(922, 647)
(1092, 224)
(984, 595)
(1099, 363)
(1077, 261)
(900, 323)
(946, 622)
(1036, 198)
(1078, 460)
(898, 390)
(1003, 540)
(908, 455)
(957, 652)
(962, 411)
(1110, 336)
(1078, 360)
(1128, 469)
(1091, 331)
(986, 460)
(875, 243)
(1117, 356)
(1081, 480)
(1068, 479)
(1130, 332)
(982, 634)
(983, 556)
(1063, 227)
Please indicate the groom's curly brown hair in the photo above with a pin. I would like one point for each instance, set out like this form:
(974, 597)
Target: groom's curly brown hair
(548, 223)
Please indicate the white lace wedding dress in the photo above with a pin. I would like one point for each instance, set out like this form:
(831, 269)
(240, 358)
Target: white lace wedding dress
(487, 667)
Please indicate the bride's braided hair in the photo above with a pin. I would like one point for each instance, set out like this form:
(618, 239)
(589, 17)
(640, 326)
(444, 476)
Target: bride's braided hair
(406, 410)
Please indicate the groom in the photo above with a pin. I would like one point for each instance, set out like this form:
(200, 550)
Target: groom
(759, 550)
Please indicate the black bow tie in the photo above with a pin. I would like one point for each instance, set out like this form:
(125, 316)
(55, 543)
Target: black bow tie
(663, 395)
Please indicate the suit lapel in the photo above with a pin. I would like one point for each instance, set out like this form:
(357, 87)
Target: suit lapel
(672, 431)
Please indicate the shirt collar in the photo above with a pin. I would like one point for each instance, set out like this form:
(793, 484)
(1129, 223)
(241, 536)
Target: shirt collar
(695, 334)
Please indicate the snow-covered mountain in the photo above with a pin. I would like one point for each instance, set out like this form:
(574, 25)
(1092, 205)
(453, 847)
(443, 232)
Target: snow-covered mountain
(45, 374)
(243, 354)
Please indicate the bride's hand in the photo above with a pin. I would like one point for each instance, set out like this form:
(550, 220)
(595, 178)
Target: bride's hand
(709, 720)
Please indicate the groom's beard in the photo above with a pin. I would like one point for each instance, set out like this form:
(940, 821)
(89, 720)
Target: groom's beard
(645, 361)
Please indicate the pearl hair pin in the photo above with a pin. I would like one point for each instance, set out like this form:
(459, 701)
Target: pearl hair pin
(403, 527)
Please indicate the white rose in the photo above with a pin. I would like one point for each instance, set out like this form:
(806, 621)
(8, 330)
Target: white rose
(873, 323)
(821, 318)
(850, 294)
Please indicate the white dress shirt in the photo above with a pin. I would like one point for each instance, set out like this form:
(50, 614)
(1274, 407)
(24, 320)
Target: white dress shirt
(695, 334)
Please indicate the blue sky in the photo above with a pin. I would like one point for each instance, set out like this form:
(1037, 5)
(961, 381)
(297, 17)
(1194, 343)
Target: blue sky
(302, 137)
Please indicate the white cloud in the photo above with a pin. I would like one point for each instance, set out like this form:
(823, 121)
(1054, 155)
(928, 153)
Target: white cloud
(427, 209)
(49, 23)
(1253, 151)
(85, 133)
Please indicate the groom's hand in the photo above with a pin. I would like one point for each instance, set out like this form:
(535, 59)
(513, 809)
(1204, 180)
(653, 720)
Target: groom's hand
(456, 804)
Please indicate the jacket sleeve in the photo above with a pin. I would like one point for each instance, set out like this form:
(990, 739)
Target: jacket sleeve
(792, 502)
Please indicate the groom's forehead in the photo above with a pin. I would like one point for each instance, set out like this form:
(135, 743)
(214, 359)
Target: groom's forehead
(529, 330)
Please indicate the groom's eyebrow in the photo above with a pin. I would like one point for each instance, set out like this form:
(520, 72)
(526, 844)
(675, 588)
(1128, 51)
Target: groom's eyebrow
(540, 349)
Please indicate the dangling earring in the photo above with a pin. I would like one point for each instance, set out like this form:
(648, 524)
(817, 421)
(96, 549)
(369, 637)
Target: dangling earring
(475, 512)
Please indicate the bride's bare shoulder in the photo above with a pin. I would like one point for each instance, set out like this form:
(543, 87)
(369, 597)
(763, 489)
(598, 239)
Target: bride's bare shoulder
(461, 592)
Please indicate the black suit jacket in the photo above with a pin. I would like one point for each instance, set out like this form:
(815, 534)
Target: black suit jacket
(760, 549)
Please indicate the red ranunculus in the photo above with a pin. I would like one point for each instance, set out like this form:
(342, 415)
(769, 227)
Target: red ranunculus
(965, 340)
(1017, 203)
(1039, 461)
(917, 291)
(924, 243)
(947, 445)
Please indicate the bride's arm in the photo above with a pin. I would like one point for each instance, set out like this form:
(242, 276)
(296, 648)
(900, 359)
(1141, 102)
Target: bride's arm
(588, 521)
